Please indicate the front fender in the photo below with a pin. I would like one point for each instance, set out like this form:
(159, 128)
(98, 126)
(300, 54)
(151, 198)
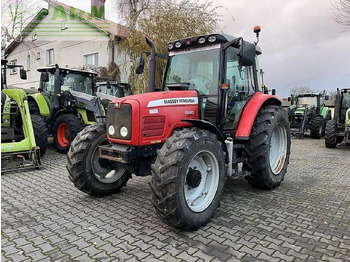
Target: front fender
(250, 112)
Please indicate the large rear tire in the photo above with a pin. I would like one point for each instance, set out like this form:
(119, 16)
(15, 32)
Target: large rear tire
(316, 127)
(89, 173)
(330, 136)
(65, 129)
(188, 178)
(268, 148)
(41, 133)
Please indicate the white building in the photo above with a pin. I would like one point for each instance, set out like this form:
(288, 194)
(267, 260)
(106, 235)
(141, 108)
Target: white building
(68, 37)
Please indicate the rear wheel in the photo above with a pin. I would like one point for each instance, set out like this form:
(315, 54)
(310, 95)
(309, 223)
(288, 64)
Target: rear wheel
(316, 127)
(41, 133)
(188, 178)
(65, 129)
(268, 148)
(89, 173)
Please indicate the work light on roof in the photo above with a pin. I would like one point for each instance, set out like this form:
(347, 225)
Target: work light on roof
(212, 39)
(177, 44)
(201, 40)
(170, 46)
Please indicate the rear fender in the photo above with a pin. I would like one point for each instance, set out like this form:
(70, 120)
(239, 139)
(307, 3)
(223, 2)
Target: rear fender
(250, 112)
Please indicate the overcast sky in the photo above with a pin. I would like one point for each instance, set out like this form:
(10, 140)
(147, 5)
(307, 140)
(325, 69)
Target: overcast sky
(301, 43)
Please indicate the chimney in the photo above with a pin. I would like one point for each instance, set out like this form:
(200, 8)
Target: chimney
(98, 9)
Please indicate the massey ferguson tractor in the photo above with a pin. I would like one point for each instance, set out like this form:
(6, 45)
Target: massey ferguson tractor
(209, 121)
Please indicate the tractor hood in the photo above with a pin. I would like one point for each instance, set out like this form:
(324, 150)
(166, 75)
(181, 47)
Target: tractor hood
(149, 118)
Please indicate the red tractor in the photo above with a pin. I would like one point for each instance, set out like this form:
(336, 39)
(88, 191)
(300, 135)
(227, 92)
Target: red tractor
(210, 121)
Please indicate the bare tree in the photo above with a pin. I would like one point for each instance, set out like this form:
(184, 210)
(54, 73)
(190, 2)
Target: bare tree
(301, 90)
(342, 13)
(131, 10)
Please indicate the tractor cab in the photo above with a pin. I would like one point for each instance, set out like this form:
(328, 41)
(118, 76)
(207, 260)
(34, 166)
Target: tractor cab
(69, 80)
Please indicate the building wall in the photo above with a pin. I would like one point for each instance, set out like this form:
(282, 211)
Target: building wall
(69, 45)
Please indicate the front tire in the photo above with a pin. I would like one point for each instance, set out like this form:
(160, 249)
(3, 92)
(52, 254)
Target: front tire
(65, 129)
(268, 148)
(41, 133)
(89, 173)
(316, 127)
(330, 136)
(188, 178)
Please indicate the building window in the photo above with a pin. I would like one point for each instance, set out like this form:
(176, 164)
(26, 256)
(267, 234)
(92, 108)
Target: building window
(13, 70)
(34, 36)
(28, 62)
(64, 24)
(91, 60)
(38, 56)
(50, 57)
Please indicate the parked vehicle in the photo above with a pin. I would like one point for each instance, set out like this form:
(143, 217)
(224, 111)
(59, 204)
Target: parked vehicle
(22, 135)
(109, 90)
(308, 111)
(338, 129)
(210, 118)
(66, 102)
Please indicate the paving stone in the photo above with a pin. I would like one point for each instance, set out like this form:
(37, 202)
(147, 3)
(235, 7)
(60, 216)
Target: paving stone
(45, 218)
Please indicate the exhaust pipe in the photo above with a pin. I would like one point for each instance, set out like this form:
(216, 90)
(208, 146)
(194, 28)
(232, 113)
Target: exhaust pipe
(152, 67)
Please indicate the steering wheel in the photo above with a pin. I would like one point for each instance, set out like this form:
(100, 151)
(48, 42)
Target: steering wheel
(206, 81)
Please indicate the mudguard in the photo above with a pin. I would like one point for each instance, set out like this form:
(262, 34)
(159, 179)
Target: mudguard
(251, 110)
(41, 102)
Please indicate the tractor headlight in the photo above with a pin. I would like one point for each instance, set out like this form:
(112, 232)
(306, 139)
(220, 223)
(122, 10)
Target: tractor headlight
(201, 40)
(123, 131)
(212, 39)
(170, 46)
(111, 130)
(177, 44)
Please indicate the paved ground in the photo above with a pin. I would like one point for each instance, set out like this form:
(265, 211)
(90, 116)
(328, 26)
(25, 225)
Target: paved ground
(45, 218)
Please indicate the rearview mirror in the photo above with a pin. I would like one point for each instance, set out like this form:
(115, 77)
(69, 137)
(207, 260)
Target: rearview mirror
(23, 74)
(273, 92)
(140, 65)
(326, 97)
(247, 53)
(289, 98)
(44, 77)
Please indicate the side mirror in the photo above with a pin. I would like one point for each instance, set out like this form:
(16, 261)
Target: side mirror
(326, 97)
(23, 74)
(140, 65)
(247, 54)
(44, 77)
(289, 99)
(273, 92)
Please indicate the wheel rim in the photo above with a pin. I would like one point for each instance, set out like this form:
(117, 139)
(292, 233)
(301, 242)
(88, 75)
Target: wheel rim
(63, 135)
(102, 173)
(278, 149)
(202, 180)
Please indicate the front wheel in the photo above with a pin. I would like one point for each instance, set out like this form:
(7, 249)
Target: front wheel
(268, 148)
(188, 178)
(330, 136)
(41, 133)
(88, 172)
(316, 127)
(65, 129)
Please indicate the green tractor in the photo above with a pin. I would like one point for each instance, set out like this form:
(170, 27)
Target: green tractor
(308, 111)
(338, 130)
(23, 135)
(67, 103)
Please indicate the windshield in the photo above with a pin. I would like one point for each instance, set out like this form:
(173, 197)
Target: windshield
(198, 69)
(307, 101)
(79, 83)
(115, 90)
(346, 100)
